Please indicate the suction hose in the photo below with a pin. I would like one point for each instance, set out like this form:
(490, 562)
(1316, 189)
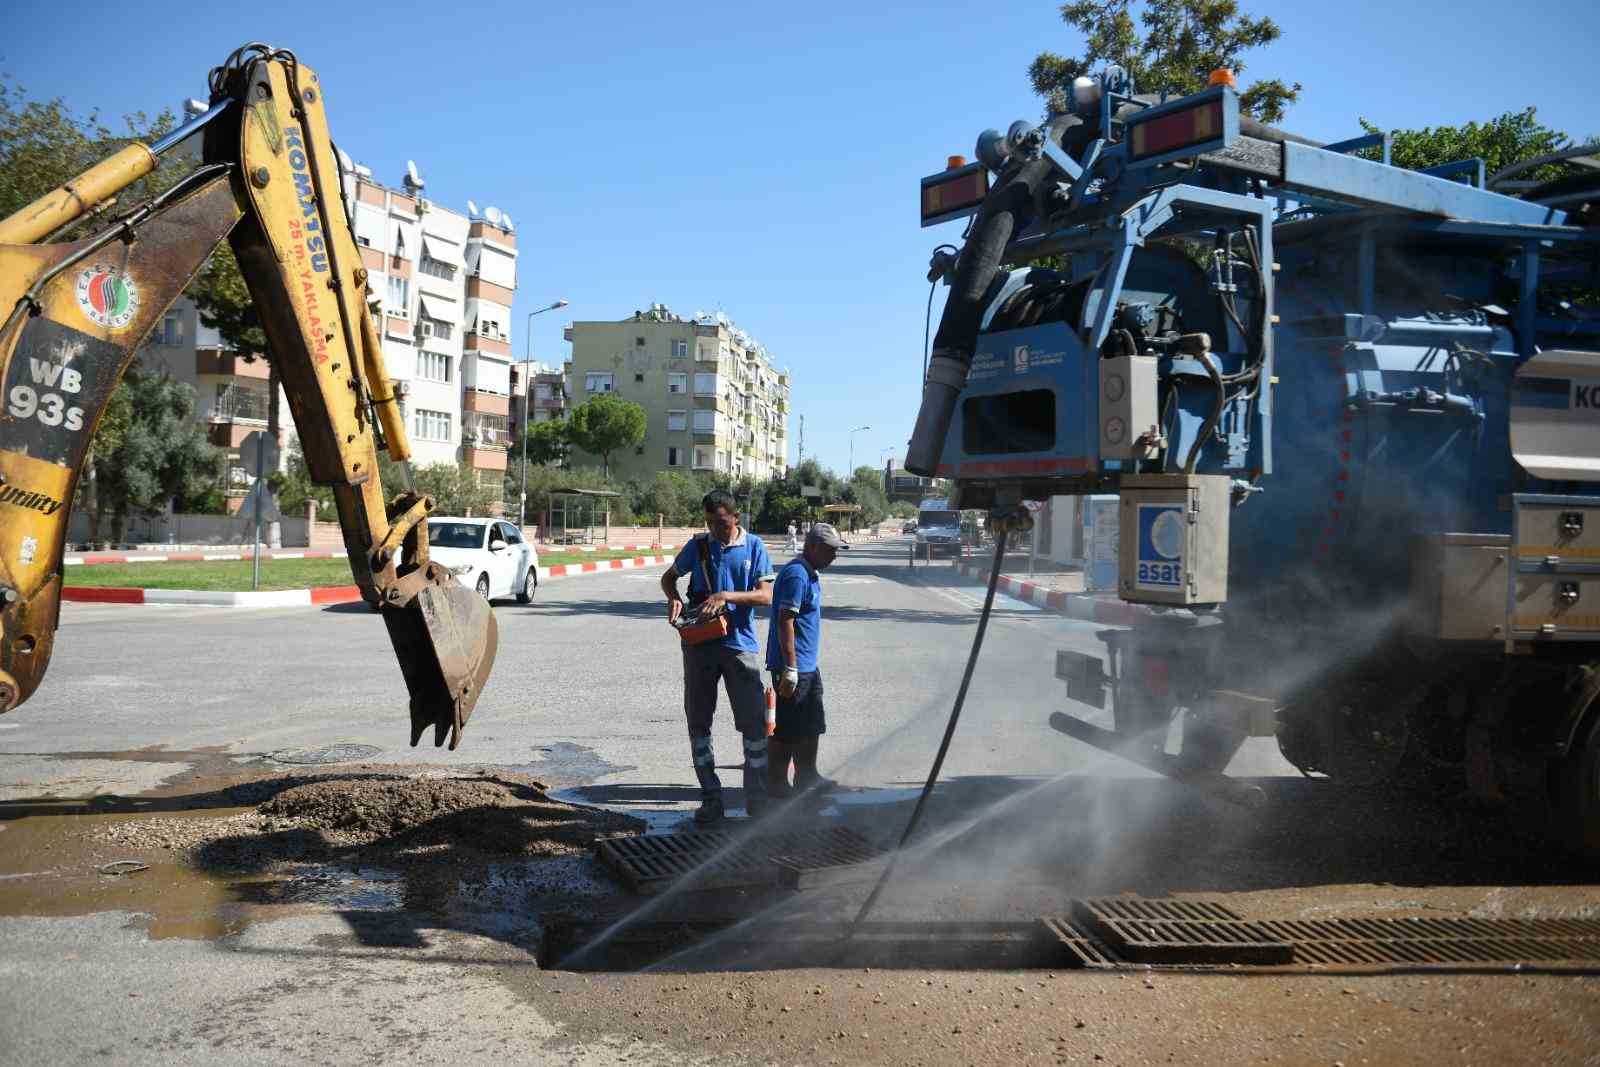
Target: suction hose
(1001, 535)
(1005, 212)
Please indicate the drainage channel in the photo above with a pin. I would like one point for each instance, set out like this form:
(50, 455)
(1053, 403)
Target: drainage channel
(1100, 933)
(729, 859)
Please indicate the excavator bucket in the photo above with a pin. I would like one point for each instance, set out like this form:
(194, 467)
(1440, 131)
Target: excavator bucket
(446, 638)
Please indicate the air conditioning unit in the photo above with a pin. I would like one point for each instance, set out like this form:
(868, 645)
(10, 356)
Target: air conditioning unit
(402, 389)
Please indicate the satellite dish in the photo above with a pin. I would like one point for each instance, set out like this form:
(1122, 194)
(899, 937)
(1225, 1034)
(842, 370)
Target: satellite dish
(509, 226)
(411, 174)
(472, 210)
(346, 164)
(492, 213)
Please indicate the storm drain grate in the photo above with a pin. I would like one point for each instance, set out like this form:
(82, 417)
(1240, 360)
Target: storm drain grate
(725, 859)
(1338, 942)
(1084, 950)
(1206, 932)
(1180, 931)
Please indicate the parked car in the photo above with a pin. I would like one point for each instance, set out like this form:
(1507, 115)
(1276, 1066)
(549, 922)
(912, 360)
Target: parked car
(488, 554)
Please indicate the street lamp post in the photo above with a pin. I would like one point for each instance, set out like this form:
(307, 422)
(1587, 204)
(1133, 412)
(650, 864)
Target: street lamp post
(522, 503)
(851, 473)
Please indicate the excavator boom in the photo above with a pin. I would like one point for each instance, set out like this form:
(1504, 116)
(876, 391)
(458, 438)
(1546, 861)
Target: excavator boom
(76, 313)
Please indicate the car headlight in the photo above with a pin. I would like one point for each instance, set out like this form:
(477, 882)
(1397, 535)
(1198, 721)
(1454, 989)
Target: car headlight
(465, 568)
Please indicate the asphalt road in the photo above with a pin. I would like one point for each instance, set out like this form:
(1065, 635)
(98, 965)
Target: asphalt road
(586, 688)
(586, 696)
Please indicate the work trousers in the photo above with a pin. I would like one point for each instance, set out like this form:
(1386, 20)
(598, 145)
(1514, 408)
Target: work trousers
(704, 667)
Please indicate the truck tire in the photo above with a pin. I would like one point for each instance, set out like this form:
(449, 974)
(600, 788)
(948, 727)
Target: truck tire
(1577, 789)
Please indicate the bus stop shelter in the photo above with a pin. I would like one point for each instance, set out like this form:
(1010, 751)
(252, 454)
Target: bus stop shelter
(838, 514)
(574, 514)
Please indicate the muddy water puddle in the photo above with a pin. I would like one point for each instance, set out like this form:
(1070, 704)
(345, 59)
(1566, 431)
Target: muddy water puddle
(204, 860)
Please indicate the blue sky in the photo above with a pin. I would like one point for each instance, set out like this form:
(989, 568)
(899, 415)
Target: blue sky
(755, 158)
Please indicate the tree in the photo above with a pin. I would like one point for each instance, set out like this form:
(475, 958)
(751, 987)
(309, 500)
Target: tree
(160, 453)
(604, 423)
(549, 441)
(455, 488)
(1182, 42)
(1499, 142)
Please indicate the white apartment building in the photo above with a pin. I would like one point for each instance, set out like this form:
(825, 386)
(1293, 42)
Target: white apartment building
(444, 284)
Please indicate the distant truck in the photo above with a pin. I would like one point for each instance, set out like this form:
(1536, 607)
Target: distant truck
(938, 530)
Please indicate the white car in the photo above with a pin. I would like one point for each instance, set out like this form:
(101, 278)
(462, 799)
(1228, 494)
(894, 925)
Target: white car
(489, 555)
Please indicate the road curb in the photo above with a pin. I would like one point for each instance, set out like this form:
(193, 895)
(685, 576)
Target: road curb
(326, 594)
(1073, 605)
(91, 559)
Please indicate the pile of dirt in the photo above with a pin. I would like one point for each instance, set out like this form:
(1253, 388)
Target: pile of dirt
(501, 814)
(380, 819)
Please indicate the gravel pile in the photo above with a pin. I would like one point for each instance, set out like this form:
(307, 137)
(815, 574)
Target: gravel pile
(381, 819)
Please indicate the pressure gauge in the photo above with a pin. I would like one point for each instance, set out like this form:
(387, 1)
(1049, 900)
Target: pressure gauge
(1116, 430)
(1115, 387)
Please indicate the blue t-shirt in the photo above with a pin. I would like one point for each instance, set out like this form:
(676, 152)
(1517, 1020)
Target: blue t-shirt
(735, 568)
(798, 590)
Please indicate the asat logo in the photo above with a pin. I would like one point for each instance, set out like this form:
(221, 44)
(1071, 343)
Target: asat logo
(107, 296)
(1020, 357)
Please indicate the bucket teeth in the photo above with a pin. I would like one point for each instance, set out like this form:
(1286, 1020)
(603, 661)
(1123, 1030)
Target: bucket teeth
(446, 638)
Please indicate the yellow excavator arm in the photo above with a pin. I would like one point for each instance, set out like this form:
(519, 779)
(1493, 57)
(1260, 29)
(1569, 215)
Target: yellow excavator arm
(76, 313)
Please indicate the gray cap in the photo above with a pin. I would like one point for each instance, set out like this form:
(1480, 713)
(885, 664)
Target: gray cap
(826, 534)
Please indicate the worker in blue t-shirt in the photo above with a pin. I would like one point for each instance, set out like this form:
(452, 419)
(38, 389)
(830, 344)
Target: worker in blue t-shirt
(740, 574)
(794, 638)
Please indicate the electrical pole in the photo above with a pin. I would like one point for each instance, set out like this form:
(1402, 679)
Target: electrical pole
(802, 456)
(527, 396)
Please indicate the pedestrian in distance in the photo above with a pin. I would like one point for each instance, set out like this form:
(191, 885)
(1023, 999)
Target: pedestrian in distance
(794, 641)
(792, 545)
(730, 575)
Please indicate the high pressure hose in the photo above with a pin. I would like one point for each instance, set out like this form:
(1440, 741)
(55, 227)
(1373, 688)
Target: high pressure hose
(1001, 535)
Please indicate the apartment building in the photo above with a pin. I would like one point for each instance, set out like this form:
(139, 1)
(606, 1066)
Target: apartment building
(444, 283)
(713, 400)
(547, 384)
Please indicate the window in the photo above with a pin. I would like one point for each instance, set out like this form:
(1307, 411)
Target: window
(430, 425)
(638, 342)
(702, 458)
(171, 332)
(674, 457)
(638, 377)
(599, 382)
(433, 366)
(400, 244)
(705, 422)
(680, 348)
(365, 241)
(399, 296)
(705, 385)
(707, 350)
(513, 537)
(437, 268)
(483, 430)
(491, 328)
(678, 420)
(722, 460)
(436, 328)
(677, 383)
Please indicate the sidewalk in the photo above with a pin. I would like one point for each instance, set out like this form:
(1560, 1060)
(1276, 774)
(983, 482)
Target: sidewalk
(1060, 591)
(327, 594)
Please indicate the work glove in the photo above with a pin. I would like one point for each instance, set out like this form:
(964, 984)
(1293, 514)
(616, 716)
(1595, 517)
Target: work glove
(789, 682)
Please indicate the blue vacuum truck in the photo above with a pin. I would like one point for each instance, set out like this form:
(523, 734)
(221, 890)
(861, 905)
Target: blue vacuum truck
(1351, 414)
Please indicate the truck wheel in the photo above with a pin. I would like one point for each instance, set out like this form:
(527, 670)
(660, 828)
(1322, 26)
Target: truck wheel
(1577, 787)
(530, 585)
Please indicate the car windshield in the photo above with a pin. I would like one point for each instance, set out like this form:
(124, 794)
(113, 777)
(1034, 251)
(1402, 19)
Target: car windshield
(939, 518)
(455, 535)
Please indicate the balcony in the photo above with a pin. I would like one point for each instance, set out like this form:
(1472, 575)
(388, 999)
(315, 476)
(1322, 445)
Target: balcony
(486, 403)
(219, 361)
(484, 458)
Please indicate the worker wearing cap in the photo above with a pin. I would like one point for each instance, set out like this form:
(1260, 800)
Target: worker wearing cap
(794, 638)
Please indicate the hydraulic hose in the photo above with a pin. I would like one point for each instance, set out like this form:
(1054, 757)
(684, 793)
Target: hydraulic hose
(949, 733)
(1004, 213)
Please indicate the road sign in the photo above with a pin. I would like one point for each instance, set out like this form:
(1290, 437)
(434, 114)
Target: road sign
(269, 452)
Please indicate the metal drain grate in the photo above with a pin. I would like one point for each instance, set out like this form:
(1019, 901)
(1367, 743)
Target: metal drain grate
(1207, 932)
(1084, 950)
(725, 859)
(1343, 942)
(1180, 931)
